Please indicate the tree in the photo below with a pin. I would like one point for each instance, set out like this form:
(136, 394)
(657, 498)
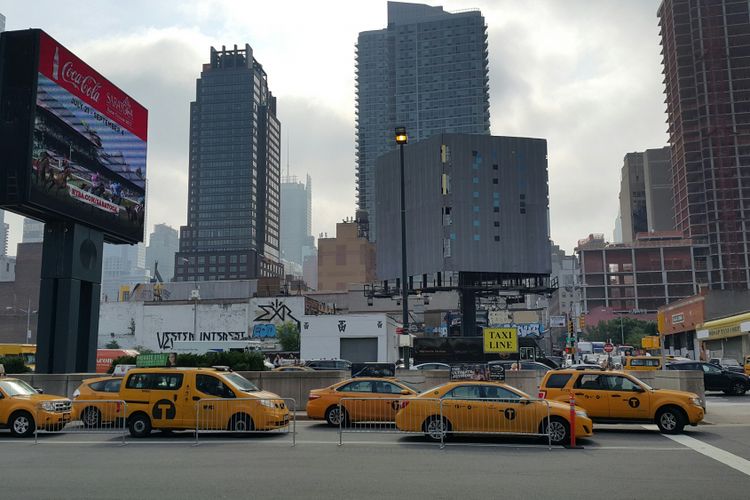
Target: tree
(112, 344)
(288, 335)
(615, 329)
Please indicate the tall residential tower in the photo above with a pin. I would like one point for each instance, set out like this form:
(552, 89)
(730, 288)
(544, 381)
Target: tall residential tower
(705, 47)
(426, 71)
(232, 229)
(296, 219)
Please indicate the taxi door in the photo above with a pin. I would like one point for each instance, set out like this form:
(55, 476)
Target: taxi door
(464, 409)
(385, 410)
(627, 399)
(210, 415)
(506, 411)
(591, 395)
(364, 405)
(166, 399)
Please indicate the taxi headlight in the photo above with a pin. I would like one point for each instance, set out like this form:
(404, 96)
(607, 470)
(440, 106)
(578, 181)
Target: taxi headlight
(48, 406)
(267, 403)
(76, 393)
(581, 413)
(696, 401)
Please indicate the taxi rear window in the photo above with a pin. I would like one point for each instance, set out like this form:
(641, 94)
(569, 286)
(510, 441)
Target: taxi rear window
(558, 380)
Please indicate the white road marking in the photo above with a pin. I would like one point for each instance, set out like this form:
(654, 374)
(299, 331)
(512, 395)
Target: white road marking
(723, 456)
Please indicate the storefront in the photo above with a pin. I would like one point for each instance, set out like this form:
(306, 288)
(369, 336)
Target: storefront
(726, 337)
(677, 323)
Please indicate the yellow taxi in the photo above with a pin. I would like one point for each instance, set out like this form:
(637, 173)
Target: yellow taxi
(747, 365)
(617, 397)
(378, 400)
(96, 401)
(467, 406)
(23, 409)
(204, 398)
(642, 363)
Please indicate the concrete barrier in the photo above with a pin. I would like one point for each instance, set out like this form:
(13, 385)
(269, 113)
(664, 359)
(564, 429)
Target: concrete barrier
(58, 384)
(295, 385)
(676, 380)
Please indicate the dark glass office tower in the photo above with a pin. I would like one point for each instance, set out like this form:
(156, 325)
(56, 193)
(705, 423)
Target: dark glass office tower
(232, 229)
(427, 71)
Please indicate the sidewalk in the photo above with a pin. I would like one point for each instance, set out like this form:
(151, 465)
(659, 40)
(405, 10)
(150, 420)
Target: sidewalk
(727, 413)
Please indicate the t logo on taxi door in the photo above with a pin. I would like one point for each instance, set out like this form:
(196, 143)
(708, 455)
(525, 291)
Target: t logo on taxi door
(510, 413)
(634, 402)
(164, 408)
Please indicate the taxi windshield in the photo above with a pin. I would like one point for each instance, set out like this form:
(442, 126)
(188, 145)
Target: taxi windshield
(16, 388)
(240, 382)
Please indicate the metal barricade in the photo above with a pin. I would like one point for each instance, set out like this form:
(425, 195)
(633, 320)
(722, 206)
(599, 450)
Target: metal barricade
(245, 416)
(438, 419)
(505, 417)
(396, 414)
(95, 416)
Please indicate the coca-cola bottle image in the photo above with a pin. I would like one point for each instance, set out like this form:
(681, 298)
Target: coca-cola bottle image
(56, 63)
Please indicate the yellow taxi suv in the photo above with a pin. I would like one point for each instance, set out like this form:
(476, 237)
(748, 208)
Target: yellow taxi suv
(96, 402)
(378, 400)
(487, 407)
(642, 363)
(23, 409)
(617, 397)
(168, 399)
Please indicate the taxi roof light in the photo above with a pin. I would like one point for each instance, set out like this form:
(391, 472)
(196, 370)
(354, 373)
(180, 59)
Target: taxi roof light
(222, 368)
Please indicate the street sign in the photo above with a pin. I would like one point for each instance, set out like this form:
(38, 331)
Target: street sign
(557, 321)
(500, 340)
(608, 348)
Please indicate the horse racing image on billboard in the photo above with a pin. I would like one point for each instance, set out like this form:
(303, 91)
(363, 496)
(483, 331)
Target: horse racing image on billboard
(87, 145)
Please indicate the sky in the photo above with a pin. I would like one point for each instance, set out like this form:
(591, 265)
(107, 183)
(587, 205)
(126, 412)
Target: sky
(585, 75)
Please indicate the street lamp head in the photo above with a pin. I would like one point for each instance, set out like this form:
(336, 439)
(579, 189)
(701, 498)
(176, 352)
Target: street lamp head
(401, 137)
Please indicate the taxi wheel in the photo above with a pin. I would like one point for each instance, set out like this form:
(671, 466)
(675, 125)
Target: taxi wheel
(559, 430)
(335, 414)
(670, 420)
(241, 423)
(436, 428)
(21, 424)
(91, 417)
(139, 425)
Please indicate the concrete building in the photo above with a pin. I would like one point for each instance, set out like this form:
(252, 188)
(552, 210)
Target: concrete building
(704, 47)
(567, 298)
(33, 231)
(7, 268)
(656, 269)
(296, 219)
(645, 193)
(122, 265)
(310, 269)
(474, 204)
(163, 244)
(2, 23)
(19, 299)
(232, 229)
(347, 258)
(426, 71)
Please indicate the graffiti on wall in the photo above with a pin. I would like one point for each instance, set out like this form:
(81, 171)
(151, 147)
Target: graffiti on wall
(166, 340)
(270, 314)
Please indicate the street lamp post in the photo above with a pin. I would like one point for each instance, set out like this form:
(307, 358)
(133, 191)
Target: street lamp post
(28, 312)
(401, 139)
(195, 295)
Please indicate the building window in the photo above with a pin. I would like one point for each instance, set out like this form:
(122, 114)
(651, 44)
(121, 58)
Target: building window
(494, 180)
(497, 238)
(496, 209)
(496, 223)
(476, 237)
(475, 194)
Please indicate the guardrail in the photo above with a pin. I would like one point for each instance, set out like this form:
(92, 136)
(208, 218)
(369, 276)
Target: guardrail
(438, 419)
(246, 416)
(95, 416)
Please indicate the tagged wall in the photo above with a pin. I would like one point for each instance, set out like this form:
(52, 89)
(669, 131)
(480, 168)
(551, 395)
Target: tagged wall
(321, 335)
(157, 325)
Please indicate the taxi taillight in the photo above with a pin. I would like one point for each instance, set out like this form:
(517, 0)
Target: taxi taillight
(542, 394)
(313, 396)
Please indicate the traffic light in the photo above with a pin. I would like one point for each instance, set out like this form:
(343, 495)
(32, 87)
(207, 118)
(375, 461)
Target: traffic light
(570, 327)
(582, 322)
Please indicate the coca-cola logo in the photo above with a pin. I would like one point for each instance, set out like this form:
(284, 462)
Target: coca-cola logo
(86, 84)
(121, 107)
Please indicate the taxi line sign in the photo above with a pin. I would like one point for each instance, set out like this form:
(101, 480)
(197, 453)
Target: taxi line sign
(501, 340)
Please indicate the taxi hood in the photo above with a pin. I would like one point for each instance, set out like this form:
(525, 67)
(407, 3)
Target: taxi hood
(263, 395)
(675, 394)
(40, 397)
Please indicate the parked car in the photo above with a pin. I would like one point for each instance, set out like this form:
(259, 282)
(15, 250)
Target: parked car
(380, 400)
(617, 397)
(23, 408)
(431, 366)
(728, 364)
(292, 368)
(487, 407)
(92, 413)
(329, 364)
(715, 378)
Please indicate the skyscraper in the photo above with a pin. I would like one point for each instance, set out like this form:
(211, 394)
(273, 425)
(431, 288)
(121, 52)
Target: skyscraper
(33, 231)
(704, 47)
(122, 265)
(162, 247)
(232, 229)
(427, 71)
(296, 219)
(645, 194)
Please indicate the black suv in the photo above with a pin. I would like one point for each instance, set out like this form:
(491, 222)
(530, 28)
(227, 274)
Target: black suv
(715, 378)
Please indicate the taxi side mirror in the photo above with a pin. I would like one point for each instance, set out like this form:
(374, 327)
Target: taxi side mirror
(39, 390)
(404, 392)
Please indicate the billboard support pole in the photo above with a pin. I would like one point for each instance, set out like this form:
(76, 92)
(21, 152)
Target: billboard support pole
(68, 320)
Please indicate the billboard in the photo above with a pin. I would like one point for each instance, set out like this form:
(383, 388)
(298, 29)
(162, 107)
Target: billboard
(77, 150)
